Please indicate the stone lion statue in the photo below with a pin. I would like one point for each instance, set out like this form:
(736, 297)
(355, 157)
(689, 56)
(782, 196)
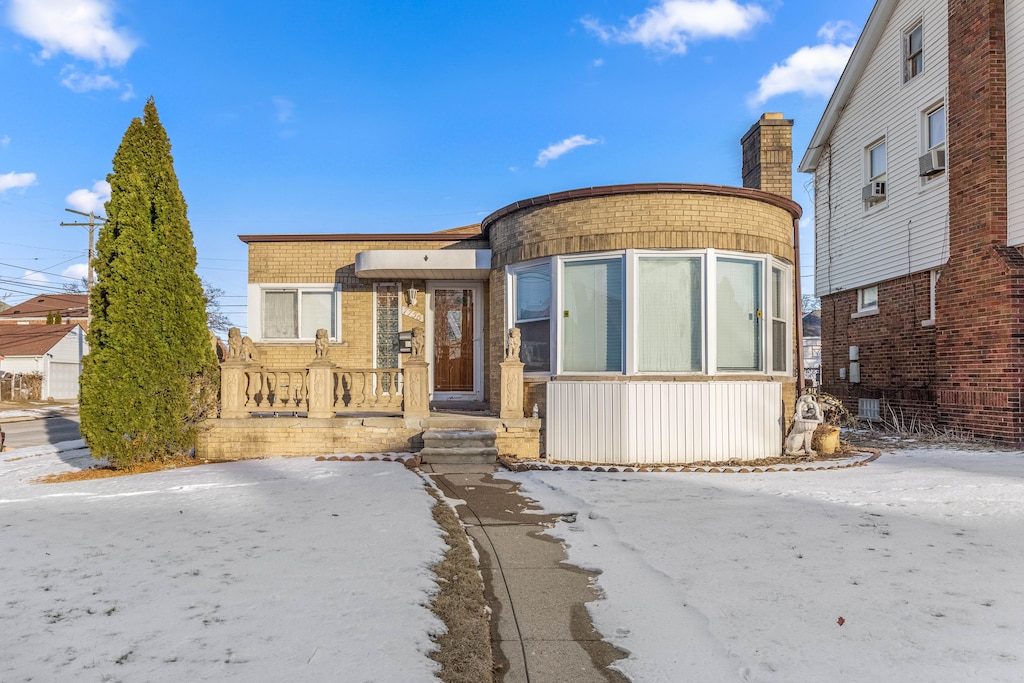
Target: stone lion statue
(806, 418)
(515, 342)
(234, 343)
(323, 342)
(419, 342)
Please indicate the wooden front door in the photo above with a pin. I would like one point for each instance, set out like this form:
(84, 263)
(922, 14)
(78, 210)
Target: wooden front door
(454, 327)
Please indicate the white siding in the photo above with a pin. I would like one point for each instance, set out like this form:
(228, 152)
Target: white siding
(1015, 121)
(23, 364)
(663, 422)
(907, 233)
(71, 348)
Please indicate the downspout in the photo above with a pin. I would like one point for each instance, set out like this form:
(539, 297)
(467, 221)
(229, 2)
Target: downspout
(799, 309)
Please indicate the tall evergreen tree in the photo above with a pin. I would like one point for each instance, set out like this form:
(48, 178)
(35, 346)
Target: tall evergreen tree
(146, 381)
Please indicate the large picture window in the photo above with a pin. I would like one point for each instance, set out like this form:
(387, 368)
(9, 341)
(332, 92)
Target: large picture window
(592, 316)
(669, 330)
(297, 313)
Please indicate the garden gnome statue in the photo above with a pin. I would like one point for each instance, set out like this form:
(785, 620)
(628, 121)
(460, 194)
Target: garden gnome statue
(806, 419)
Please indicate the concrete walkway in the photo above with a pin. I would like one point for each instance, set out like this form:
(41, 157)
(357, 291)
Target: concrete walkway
(540, 628)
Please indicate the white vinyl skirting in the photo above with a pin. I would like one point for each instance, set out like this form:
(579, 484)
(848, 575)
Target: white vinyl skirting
(663, 422)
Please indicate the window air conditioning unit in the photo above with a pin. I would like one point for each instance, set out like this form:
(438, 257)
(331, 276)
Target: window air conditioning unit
(874, 191)
(933, 162)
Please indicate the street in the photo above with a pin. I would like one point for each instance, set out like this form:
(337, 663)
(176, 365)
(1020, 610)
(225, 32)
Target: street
(48, 430)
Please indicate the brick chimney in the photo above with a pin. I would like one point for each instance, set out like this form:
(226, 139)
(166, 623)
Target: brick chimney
(768, 155)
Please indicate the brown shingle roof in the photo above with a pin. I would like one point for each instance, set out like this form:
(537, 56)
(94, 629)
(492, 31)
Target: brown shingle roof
(31, 340)
(69, 305)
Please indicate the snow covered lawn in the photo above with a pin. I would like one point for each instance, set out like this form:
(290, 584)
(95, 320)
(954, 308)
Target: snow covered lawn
(263, 570)
(719, 577)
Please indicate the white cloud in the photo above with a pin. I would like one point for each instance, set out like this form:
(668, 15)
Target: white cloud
(597, 62)
(80, 28)
(90, 200)
(285, 109)
(556, 150)
(129, 92)
(9, 181)
(5, 141)
(671, 24)
(33, 276)
(811, 70)
(77, 271)
(76, 81)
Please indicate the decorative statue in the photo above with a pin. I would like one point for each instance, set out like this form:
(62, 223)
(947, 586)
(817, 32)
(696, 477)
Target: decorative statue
(514, 343)
(234, 344)
(322, 343)
(248, 349)
(419, 341)
(806, 418)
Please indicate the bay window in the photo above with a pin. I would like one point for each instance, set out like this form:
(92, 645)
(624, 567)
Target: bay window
(695, 311)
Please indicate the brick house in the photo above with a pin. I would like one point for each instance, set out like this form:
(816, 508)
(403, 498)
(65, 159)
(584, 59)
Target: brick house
(656, 320)
(918, 167)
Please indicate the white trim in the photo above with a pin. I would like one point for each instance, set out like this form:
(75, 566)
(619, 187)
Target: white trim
(479, 310)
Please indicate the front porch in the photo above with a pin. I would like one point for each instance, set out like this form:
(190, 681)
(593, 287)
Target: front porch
(325, 408)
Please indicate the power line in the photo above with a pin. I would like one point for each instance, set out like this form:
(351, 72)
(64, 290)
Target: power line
(93, 218)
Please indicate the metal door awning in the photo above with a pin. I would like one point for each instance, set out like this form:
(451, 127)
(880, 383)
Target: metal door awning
(424, 264)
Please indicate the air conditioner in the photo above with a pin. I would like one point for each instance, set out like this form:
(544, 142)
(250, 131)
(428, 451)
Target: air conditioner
(874, 191)
(933, 162)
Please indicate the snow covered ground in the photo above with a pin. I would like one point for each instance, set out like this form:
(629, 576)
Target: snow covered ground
(744, 577)
(264, 570)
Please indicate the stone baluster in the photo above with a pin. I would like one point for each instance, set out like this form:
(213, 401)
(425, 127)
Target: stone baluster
(416, 389)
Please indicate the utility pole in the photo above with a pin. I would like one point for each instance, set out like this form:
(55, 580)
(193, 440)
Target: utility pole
(93, 219)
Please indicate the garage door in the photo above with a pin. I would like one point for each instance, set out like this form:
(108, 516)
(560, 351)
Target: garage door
(64, 380)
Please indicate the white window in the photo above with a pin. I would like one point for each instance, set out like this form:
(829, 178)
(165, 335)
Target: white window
(531, 313)
(653, 311)
(913, 52)
(867, 298)
(780, 318)
(293, 312)
(670, 293)
(739, 315)
(592, 315)
(876, 161)
(936, 128)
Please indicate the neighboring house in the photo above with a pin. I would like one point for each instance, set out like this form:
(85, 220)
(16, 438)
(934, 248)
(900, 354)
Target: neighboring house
(918, 169)
(657, 320)
(73, 308)
(54, 351)
(812, 346)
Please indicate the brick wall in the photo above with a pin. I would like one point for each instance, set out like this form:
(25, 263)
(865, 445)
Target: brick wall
(333, 261)
(897, 352)
(979, 338)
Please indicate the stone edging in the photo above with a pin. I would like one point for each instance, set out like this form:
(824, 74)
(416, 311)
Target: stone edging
(410, 460)
(525, 467)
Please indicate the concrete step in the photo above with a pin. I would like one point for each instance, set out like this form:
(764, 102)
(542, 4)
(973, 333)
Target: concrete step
(459, 446)
(459, 456)
(450, 438)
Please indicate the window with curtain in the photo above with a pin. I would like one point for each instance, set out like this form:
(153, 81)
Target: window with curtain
(532, 291)
(669, 317)
(592, 298)
(739, 314)
(297, 314)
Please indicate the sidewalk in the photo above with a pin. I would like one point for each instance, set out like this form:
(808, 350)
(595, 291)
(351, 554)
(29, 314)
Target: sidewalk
(540, 627)
(21, 412)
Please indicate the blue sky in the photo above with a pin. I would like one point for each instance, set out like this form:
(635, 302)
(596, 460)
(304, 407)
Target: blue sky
(358, 116)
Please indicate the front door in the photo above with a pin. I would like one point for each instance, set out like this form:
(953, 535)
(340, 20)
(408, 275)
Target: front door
(456, 334)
